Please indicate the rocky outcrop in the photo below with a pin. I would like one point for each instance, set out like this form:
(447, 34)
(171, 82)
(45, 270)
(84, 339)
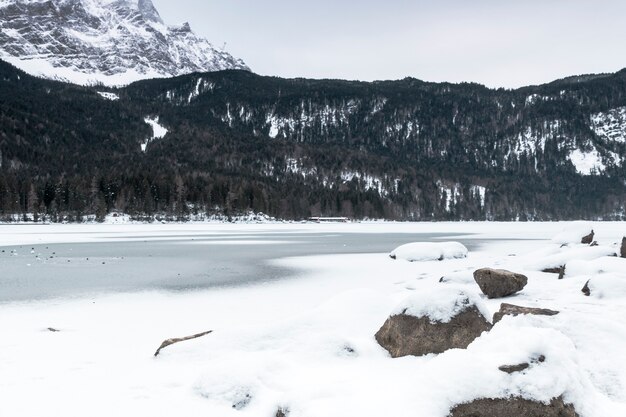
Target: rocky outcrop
(513, 310)
(513, 407)
(498, 283)
(404, 335)
(587, 240)
(92, 41)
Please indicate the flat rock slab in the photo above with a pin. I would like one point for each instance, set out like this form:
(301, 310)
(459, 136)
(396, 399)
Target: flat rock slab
(513, 407)
(513, 310)
(404, 335)
(498, 283)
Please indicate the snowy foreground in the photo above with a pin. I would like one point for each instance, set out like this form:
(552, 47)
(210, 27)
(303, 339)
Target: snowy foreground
(307, 344)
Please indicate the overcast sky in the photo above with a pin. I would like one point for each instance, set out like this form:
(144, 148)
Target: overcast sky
(506, 43)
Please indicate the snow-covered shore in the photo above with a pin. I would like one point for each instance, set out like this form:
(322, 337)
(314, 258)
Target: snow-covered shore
(307, 344)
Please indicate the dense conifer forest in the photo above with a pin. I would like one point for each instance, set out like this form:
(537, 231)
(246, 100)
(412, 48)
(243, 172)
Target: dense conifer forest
(294, 148)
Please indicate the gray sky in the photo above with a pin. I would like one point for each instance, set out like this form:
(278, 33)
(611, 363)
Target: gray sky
(499, 43)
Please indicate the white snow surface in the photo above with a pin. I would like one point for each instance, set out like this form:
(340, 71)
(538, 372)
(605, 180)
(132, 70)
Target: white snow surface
(441, 304)
(429, 251)
(611, 125)
(158, 131)
(587, 162)
(555, 256)
(573, 233)
(611, 285)
(109, 96)
(307, 343)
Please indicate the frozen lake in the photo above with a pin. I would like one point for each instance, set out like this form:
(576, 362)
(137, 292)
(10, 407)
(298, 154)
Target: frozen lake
(294, 309)
(174, 262)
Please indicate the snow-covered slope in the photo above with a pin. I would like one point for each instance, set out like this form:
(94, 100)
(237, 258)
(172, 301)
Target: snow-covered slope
(113, 42)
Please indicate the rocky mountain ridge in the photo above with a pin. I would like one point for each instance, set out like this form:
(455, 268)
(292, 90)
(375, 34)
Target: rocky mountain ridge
(114, 42)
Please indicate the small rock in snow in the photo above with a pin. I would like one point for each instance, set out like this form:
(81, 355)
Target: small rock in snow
(282, 412)
(511, 369)
(587, 240)
(623, 252)
(497, 283)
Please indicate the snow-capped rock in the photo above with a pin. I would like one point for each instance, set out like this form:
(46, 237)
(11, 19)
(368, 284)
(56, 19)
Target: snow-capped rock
(434, 322)
(429, 251)
(113, 42)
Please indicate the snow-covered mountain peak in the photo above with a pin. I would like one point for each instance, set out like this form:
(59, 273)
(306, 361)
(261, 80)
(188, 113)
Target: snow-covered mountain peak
(113, 42)
(148, 11)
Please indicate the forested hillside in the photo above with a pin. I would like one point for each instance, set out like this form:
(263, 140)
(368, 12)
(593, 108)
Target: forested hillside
(232, 141)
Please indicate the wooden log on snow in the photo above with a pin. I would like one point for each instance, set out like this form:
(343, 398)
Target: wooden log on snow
(169, 342)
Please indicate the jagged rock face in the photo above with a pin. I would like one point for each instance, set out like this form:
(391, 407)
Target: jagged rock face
(108, 41)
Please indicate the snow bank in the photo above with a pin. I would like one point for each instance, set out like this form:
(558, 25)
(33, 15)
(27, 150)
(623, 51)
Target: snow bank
(557, 257)
(573, 233)
(516, 341)
(459, 277)
(429, 251)
(441, 304)
(608, 285)
(596, 266)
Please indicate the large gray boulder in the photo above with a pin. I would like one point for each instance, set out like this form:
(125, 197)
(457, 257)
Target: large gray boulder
(513, 407)
(434, 322)
(513, 310)
(404, 335)
(498, 283)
